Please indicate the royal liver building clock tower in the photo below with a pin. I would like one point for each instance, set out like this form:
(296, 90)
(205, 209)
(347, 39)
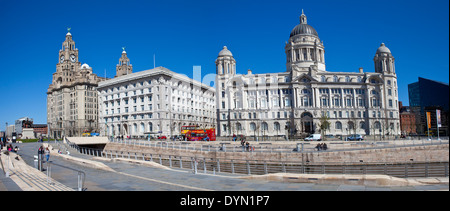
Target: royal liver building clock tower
(72, 96)
(68, 61)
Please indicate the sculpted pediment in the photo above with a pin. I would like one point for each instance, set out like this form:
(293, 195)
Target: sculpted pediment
(304, 78)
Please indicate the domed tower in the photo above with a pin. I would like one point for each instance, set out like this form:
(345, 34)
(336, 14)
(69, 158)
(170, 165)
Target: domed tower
(124, 67)
(225, 63)
(384, 61)
(304, 48)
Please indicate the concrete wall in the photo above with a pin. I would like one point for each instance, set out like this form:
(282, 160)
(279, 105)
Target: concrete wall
(433, 153)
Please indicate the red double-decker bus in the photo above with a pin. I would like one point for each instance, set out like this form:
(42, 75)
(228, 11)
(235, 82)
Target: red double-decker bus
(194, 133)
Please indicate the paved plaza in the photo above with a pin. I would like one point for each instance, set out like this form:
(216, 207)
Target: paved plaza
(124, 176)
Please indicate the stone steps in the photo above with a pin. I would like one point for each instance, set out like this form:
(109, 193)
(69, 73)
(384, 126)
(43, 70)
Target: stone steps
(29, 178)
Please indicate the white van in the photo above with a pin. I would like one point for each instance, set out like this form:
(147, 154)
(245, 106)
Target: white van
(314, 137)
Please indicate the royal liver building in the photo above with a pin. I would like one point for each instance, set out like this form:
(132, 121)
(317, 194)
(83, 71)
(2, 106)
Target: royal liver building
(293, 102)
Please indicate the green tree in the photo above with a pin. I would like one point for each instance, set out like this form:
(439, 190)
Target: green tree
(324, 125)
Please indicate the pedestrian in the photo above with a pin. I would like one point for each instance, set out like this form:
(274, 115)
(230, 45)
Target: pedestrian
(47, 153)
(318, 147)
(234, 137)
(16, 149)
(247, 146)
(10, 148)
(324, 146)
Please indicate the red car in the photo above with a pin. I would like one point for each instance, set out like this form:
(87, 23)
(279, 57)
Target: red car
(162, 137)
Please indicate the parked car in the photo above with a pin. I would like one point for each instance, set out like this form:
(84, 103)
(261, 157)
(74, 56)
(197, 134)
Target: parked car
(355, 137)
(162, 137)
(314, 137)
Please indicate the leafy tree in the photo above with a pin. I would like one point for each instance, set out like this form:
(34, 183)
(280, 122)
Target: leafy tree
(324, 125)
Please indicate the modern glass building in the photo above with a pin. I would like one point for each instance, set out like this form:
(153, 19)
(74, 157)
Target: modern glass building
(427, 95)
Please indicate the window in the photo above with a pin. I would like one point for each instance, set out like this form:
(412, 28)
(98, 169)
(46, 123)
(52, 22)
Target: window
(263, 103)
(362, 125)
(324, 102)
(287, 102)
(336, 101)
(252, 103)
(338, 125)
(276, 126)
(264, 126)
(275, 102)
(335, 79)
(305, 101)
(252, 126)
(348, 102)
(377, 125)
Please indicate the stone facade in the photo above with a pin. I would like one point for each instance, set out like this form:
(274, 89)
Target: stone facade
(156, 101)
(72, 96)
(292, 102)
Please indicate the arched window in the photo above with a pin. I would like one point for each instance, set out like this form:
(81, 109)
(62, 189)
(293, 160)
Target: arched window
(264, 126)
(142, 128)
(323, 79)
(135, 128)
(335, 79)
(377, 125)
(338, 125)
(351, 125)
(362, 125)
(252, 126)
(238, 126)
(276, 126)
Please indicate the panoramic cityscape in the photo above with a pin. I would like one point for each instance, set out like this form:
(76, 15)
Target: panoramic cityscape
(203, 96)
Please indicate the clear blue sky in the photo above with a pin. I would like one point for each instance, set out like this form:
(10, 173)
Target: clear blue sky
(187, 33)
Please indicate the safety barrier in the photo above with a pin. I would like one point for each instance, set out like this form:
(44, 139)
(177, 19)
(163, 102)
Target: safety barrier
(257, 167)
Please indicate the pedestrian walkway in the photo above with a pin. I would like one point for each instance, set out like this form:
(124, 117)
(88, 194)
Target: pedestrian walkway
(26, 177)
(132, 176)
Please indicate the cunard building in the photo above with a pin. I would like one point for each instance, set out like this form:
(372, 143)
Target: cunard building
(292, 102)
(72, 107)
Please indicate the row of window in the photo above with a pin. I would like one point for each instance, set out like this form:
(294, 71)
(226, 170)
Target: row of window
(264, 126)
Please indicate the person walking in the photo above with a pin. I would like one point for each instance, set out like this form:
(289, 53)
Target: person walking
(47, 154)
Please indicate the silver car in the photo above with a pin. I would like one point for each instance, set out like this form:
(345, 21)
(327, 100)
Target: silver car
(355, 137)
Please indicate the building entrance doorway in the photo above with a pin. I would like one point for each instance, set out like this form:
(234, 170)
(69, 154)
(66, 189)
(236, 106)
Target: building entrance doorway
(306, 122)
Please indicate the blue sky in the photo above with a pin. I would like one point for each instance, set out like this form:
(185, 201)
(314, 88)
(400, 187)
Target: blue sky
(186, 33)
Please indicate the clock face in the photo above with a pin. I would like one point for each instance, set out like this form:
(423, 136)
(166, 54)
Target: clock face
(62, 59)
(72, 58)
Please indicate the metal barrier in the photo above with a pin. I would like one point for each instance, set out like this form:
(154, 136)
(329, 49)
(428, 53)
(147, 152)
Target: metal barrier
(257, 167)
(265, 147)
(80, 174)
